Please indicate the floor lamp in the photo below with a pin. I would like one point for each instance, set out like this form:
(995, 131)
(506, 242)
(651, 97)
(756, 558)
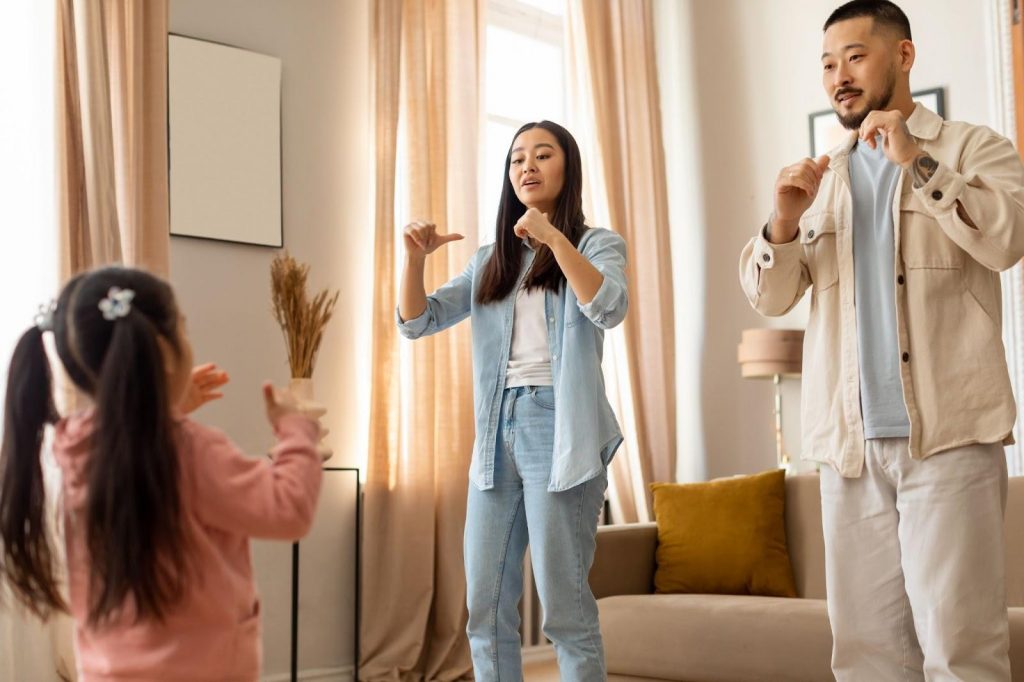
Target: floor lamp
(772, 354)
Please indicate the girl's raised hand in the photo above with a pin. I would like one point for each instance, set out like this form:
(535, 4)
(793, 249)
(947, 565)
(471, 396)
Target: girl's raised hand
(204, 387)
(280, 403)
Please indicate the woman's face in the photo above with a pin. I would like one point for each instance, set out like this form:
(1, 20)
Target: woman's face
(537, 169)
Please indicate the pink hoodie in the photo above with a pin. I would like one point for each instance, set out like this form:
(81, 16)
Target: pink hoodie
(227, 497)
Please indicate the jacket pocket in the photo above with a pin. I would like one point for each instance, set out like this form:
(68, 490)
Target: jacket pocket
(245, 663)
(923, 244)
(986, 298)
(818, 237)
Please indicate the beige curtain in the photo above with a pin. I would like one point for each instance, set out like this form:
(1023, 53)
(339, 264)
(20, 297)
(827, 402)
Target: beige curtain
(112, 134)
(425, 103)
(111, 111)
(614, 84)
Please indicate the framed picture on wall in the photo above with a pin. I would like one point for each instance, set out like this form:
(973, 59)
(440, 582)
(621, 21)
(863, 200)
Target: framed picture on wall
(826, 132)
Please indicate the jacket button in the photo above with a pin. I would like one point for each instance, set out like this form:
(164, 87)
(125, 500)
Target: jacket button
(810, 235)
(937, 195)
(900, 279)
(906, 357)
(766, 257)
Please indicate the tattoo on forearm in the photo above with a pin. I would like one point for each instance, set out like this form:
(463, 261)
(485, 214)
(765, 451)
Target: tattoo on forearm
(923, 169)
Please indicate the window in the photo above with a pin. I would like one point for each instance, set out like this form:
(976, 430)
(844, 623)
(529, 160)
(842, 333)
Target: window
(524, 81)
(27, 171)
(29, 272)
(1007, 33)
(1017, 41)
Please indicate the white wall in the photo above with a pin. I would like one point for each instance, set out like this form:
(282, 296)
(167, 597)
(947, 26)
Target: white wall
(225, 288)
(739, 79)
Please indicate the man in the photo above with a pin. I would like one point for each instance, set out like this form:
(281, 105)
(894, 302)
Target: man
(900, 234)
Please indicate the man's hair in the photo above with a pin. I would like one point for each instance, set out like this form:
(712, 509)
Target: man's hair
(884, 13)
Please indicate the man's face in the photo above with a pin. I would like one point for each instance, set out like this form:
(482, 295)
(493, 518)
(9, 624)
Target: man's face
(859, 68)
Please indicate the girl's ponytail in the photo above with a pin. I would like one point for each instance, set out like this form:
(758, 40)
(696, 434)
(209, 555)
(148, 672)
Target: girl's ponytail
(134, 520)
(27, 558)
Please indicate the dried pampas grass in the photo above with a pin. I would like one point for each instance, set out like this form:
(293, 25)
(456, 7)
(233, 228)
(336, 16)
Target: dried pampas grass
(302, 321)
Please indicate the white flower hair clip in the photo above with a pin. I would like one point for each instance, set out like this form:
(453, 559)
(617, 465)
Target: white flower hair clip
(43, 318)
(117, 304)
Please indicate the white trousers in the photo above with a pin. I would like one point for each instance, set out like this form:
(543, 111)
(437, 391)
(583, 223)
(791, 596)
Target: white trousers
(914, 558)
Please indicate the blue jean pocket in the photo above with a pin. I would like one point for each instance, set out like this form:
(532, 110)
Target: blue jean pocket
(543, 396)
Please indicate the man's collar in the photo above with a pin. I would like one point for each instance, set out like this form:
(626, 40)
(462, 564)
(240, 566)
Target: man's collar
(923, 124)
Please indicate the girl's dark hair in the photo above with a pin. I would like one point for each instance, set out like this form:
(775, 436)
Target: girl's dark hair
(133, 512)
(502, 269)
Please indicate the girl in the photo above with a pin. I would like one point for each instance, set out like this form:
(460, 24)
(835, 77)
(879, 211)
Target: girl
(157, 509)
(540, 299)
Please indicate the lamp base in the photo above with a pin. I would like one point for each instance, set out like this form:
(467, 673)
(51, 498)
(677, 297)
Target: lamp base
(782, 457)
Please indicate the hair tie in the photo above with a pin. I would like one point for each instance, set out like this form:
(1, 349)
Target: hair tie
(43, 318)
(117, 304)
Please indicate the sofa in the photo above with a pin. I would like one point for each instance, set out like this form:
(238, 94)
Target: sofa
(724, 638)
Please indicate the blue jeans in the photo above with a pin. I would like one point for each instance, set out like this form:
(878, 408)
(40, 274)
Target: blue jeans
(562, 526)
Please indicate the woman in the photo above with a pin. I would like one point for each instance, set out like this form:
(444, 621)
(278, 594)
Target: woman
(540, 299)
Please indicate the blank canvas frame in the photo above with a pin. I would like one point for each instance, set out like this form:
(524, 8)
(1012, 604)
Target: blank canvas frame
(224, 142)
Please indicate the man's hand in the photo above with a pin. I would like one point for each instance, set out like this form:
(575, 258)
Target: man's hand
(795, 190)
(898, 144)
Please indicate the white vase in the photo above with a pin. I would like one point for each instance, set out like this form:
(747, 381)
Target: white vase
(302, 390)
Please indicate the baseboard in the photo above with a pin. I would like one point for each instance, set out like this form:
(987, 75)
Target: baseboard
(531, 654)
(540, 653)
(343, 674)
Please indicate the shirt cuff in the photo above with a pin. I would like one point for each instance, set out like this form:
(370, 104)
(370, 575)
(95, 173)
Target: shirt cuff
(766, 253)
(603, 301)
(414, 327)
(941, 193)
(299, 422)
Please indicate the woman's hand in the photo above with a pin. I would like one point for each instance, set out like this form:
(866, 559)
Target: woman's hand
(421, 238)
(203, 387)
(534, 225)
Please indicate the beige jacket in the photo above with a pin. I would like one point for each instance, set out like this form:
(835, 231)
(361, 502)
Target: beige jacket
(948, 297)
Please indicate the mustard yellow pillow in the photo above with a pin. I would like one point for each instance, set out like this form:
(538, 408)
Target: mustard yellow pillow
(726, 536)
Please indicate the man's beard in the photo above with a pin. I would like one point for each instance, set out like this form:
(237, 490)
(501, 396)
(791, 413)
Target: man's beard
(854, 120)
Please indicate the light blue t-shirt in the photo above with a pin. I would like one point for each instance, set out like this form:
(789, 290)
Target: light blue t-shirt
(873, 180)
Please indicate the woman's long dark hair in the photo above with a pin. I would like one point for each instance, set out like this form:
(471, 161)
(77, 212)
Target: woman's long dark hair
(133, 513)
(502, 269)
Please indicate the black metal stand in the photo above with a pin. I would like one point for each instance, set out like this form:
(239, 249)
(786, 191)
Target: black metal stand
(358, 582)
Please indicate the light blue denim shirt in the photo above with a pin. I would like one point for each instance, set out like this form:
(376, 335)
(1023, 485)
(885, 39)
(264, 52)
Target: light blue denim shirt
(586, 432)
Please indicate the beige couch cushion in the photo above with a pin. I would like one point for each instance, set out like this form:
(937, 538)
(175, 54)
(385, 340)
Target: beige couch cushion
(707, 638)
(804, 535)
(1017, 643)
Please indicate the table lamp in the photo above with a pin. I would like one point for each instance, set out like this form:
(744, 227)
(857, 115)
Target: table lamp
(772, 354)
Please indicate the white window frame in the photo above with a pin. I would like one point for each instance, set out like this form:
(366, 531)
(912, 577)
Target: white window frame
(532, 22)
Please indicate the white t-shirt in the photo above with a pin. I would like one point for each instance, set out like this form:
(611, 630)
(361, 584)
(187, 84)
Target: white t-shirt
(529, 359)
